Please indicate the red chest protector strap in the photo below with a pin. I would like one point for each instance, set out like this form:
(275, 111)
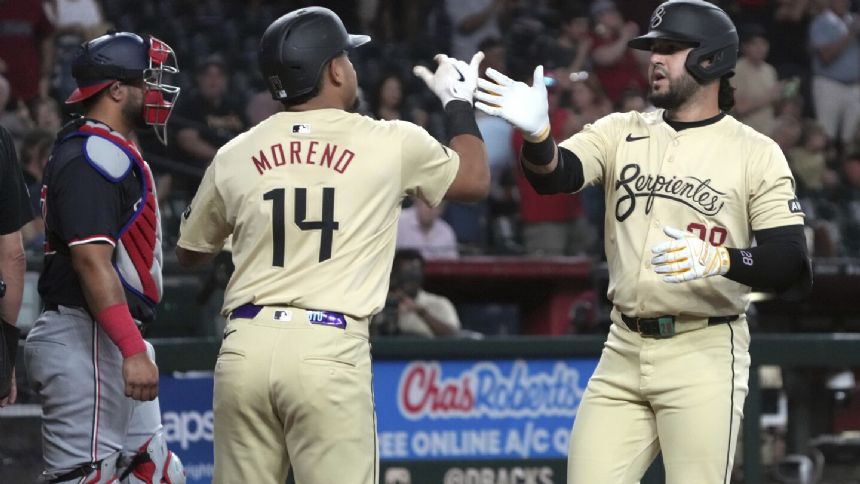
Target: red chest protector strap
(138, 253)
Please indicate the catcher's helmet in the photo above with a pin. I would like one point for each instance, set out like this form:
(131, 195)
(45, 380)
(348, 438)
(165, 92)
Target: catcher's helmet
(296, 47)
(124, 56)
(702, 24)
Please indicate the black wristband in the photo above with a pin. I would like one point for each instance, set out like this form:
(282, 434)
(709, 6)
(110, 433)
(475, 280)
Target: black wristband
(461, 119)
(539, 153)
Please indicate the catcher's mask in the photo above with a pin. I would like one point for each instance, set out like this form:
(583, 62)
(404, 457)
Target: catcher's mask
(128, 57)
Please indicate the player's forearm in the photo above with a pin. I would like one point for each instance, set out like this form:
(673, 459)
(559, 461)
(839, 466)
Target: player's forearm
(566, 175)
(540, 158)
(105, 297)
(472, 182)
(778, 262)
(99, 280)
(13, 264)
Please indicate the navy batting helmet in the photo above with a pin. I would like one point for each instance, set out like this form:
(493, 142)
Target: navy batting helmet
(704, 25)
(296, 47)
(124, 56)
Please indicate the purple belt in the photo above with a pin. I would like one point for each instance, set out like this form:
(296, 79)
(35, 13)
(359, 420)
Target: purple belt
(325, 318)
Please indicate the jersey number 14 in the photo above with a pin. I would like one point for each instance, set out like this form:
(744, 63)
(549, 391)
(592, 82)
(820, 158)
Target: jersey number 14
(327, 225)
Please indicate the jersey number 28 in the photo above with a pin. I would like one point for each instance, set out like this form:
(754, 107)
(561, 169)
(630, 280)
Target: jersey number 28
(326, 226)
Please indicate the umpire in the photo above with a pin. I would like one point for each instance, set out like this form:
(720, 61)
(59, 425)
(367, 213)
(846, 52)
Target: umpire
(14, 213)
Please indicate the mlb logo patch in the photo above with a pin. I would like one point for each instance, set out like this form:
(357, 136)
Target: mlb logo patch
(301, 128)
(283, 316)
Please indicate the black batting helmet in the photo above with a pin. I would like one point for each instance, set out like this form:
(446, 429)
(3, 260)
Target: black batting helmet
(702, 24)
(296, 47)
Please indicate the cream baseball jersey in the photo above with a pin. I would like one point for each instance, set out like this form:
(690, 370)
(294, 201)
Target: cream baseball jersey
(312, 201)
(721, 181)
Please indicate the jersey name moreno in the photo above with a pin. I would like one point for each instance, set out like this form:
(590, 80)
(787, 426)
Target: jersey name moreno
(308, 152)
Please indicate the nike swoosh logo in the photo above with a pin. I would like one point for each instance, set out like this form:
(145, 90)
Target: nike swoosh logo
(630, 137)
(461, 75)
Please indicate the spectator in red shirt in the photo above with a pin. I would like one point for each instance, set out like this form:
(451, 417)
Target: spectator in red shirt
(553, 225)
(26, 48)
(614, 63)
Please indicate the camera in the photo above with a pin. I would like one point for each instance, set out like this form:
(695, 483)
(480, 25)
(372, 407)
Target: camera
(386, 322)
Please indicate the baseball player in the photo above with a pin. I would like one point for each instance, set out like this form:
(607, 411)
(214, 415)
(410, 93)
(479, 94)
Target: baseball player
(93, 372)
(688, 189)
(15, 212)
(311, 197)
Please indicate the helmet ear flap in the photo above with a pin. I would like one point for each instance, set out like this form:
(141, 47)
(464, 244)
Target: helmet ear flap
(720, 63)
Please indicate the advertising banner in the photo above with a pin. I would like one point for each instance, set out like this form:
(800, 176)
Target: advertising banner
(540, 471)
(186, 412)
(461, 421)
(468, 409)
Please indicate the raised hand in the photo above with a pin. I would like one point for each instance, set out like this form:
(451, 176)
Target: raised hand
(525, 107)
(453, 79)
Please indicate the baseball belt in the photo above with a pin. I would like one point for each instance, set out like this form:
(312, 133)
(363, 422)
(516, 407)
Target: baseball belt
(664, 326)
(315, 316)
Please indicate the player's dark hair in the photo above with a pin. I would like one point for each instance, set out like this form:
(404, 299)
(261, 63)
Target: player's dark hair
(88, 103)
(726, 97)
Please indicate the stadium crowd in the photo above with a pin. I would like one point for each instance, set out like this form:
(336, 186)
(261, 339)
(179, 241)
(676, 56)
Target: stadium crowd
(798, 81)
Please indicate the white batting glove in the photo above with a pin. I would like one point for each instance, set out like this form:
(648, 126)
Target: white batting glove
(687, 257)
(453, 79)
(525, 107)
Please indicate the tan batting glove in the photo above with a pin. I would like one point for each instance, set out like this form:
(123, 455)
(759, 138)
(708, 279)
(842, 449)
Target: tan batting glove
(687, 257)
(525, 107)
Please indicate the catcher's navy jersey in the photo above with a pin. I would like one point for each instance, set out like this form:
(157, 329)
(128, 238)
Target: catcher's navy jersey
(97, 189)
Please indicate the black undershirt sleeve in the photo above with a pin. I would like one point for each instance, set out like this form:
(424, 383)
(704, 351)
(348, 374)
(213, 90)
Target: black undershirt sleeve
(779, 262)
(567, 176)
(15, 209)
